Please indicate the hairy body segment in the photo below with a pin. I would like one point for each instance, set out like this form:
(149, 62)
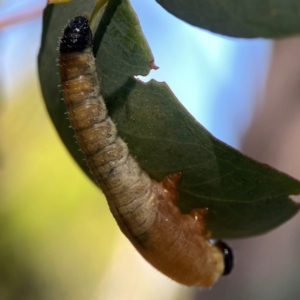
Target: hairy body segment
(145, 210)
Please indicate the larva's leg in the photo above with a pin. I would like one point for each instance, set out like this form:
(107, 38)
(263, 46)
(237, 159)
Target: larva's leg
(170, 191)
(169, 186)
(198, 215)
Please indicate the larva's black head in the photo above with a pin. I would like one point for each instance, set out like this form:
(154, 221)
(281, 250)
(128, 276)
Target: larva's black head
(77, 36)
(228, 257)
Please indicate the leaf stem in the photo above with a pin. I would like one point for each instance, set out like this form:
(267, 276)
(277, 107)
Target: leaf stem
(96, 12)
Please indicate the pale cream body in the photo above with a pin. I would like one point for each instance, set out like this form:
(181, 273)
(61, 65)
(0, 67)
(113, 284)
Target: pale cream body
(145, 210)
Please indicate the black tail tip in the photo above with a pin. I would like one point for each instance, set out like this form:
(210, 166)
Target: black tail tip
(228, 257)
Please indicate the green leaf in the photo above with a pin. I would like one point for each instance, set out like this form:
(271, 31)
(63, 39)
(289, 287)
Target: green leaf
(244, 197)
(239, 18)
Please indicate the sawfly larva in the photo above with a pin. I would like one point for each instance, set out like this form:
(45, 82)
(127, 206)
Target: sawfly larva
(145, 210)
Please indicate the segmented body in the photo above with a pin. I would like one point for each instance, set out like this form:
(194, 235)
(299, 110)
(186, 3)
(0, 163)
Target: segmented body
(145, 210)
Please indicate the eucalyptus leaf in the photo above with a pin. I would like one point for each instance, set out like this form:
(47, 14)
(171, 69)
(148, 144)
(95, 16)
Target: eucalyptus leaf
(239, 18)
(243, 197)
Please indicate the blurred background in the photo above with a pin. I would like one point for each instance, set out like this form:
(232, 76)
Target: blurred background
(58, 239)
